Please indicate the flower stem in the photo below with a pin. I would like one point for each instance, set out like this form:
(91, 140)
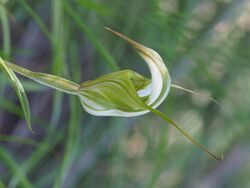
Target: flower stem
(49, 80)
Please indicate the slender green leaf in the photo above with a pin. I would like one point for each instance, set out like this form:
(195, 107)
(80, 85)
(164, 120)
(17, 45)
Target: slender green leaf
(6, 31)
(37, 19)
(59, 55)
(18, 140)
(7, 159)
(44, 148)
(2, 184)
(97, 7)
(16, 84)
(89, 33)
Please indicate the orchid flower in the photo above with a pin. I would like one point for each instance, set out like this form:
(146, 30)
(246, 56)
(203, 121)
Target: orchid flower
(127, 93)
(121, 93)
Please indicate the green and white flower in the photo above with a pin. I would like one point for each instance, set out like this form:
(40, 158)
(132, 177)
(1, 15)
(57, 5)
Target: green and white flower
(125, 93)
(121, 93)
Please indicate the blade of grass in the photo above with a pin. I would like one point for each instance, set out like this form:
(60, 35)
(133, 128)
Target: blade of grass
(6, 31)
(89, 33)
(96, 7)
(18, 140)
(118, 157)
(6, 36)
(2, 184)
(36, 157)
(16, 84)
(70, 150)
(37, 19)
(11, 107)
(159, 158)
(46, 179)
(127, 27)
(17, 171)
(58, 33)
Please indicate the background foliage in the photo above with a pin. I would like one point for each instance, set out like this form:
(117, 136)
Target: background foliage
(205, 45)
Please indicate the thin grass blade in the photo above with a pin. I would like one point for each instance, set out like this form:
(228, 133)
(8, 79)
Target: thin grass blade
(16, 84)
(18, 140)
(8, 160)
(89, 33)
(36, 18)
(6, 30)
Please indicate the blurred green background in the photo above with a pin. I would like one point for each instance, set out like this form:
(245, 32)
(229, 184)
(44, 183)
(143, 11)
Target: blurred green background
(206, 47)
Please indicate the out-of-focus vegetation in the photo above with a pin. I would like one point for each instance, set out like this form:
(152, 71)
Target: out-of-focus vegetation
(206, 47)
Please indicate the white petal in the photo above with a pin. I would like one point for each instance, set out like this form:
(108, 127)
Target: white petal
(113, 112)
(160, 80)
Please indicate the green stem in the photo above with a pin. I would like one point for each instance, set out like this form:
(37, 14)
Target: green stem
(6, 31)
(158, 113)
(49, 80)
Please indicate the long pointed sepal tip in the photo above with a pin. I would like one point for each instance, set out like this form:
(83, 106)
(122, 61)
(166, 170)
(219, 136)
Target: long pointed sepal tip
(132, 42)
(107, 28)
(111, 30)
